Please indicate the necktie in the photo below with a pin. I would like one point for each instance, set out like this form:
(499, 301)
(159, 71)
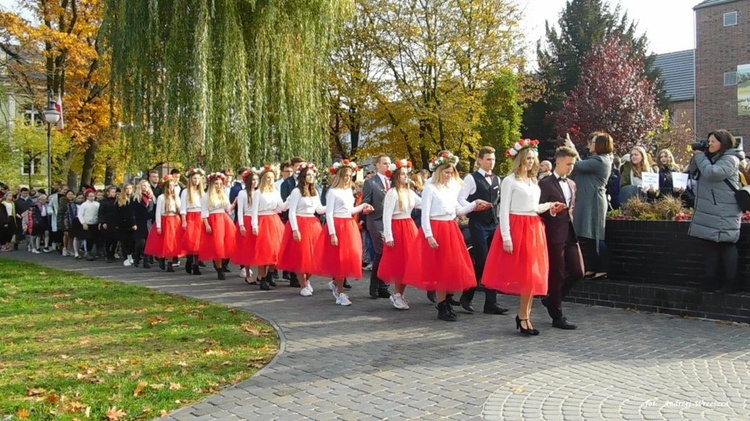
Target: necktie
(387, 184)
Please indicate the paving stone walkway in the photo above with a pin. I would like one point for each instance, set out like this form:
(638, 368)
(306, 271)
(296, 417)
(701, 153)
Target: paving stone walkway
(373, 362)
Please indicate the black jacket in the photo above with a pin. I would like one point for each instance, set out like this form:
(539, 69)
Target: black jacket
(108, 213)
(143, 216)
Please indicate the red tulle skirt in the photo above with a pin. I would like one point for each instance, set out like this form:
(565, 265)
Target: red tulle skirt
(169, 242)
(264, 247)
(524, 272)
(191, 236)
(242, 251)
(446, 268)
(393, 264)
(299, 256)
(220, 244)
(344, 260)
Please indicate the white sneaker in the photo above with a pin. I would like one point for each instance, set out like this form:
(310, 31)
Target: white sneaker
(343, 300)
(368, 267)
(126, 262)
(333, 289)
(64, 252)
(176, 264)
(130, 259)
(243, 273)
(398, 301)
(305, 292)
(35, 251)
(309, 286)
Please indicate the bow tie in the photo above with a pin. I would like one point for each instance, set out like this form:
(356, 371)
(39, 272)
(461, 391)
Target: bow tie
(562, 178)
(489, 175)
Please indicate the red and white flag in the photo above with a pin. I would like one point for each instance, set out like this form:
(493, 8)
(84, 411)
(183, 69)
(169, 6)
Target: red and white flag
(59, 108)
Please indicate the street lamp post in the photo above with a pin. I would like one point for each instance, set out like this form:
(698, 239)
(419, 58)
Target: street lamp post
(51, 116)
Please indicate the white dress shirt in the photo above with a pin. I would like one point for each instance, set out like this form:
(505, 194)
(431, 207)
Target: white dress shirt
(303, 207)
(470, 187)
(185, 205)
(520, 198)
(266, 203)
(386, 182)
(340, 204)
(161, 208)
(88, 212)
(440, 203)
(392, 210)
(565, 188)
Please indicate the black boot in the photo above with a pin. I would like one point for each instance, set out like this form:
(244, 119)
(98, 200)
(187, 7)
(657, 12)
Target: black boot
(196, 270)
(269, 279)
(220, 274)
(225, 266)
(189, 264)
(293, 280)
(444, 312)
(170, 268)
(452, 301)
(146, 264)
(263, 283)
(161, 264)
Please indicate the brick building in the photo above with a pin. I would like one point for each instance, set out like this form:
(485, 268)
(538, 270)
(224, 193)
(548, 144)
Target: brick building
(722, 67)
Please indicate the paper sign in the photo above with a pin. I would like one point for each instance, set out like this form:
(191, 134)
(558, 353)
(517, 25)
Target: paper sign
(679, 180)
(650, 180)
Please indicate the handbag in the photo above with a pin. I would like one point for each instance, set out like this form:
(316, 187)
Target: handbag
(742, 196)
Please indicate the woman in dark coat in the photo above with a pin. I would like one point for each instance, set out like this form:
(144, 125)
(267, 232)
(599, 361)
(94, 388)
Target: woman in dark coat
(591, 175)
(717, 216)
(125, 223)
(108, 222)
(143, 211)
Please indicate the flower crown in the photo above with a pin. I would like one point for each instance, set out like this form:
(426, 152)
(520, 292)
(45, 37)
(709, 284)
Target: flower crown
(193, 171)
(269, 168)
(442, 159)
(343, 164)
(305, 166)
(214, 175)
(164, 180)
(521, 145)
(401, 163)
(249, 172)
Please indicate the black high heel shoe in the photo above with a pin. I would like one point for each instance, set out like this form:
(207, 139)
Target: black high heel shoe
(525, 331)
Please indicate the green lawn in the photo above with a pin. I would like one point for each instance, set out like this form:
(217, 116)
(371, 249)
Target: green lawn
(75, 347)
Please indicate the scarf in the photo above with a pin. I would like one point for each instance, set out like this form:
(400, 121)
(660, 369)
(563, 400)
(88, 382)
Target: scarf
(146, 199)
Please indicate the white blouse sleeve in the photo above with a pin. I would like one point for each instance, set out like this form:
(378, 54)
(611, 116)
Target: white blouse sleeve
(427, 194)
(469, 188)
(281, 204)
(506, 191)
(183, 201)
(204, 206)
(417, 200)
(160, 203)
(241, 203)
(293, 201)
(389, 205)
(330, 209)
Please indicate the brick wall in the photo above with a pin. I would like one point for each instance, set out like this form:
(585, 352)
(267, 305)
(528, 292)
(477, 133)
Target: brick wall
(720, 49)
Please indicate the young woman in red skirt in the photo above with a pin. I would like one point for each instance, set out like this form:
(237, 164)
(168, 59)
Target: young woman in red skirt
(439, 261)
(517, 262)
(244, 202)
(400, 231)
(218, 236)
(302, 229)
(267, 228)
(192, 221)
(340, 248)
(165, 238)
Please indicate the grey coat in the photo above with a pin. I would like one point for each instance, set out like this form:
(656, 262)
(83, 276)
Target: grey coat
(717, 215)
(590, 213)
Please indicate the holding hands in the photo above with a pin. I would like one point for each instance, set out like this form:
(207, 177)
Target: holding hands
(482, 205)
(557, 207)
(368, 209)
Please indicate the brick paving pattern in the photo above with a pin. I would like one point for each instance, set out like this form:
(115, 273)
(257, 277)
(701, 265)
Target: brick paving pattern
(373, 362)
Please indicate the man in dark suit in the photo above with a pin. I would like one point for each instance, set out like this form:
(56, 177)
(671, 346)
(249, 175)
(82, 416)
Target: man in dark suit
(484, 185)
(373, 193)
(565, 259)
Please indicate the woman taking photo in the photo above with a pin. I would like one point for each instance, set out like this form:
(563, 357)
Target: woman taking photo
(218, 237)
(439, 260)
(716, 219)
(517, 263)
(191, 198)
(591, 175)
(340, 248)
(400, 231)
(302, 229)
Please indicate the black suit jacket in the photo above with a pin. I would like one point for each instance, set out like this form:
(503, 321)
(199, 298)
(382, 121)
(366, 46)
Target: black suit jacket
(373, 193)
(557, 227)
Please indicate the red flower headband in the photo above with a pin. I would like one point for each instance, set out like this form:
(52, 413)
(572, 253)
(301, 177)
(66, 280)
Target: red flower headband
(269, 168)
(401, 163)
(442, 159)
(193, 171)
(248, 172)
(521, 145)
(306, 166)
(213, 176)
(343, 164)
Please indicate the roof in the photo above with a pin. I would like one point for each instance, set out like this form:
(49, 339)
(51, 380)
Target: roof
(678, 73)
(709, 3)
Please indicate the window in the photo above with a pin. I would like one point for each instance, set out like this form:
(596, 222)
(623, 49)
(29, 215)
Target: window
(31, 164)
(730, 19)
(740, 143)
(730, 78)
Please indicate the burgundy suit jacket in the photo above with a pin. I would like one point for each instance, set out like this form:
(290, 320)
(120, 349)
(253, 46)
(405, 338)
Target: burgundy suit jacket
(559, 226)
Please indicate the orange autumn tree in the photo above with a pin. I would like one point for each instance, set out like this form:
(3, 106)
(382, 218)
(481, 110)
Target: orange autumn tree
(55, 45)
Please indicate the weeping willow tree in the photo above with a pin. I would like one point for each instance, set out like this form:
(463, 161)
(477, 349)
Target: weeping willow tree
(222, 82)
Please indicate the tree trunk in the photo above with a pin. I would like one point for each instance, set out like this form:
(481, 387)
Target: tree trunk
(109, 174)
(73, 180)
(89, 157)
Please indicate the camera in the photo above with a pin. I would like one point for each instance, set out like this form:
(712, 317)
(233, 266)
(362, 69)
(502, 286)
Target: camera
(700, 145)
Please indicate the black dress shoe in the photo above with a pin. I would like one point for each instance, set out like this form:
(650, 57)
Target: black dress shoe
(466, 304)
(545, 301)
(494, 309)
(384, 293)
(432, 296)
(562, 323)
(347, 285)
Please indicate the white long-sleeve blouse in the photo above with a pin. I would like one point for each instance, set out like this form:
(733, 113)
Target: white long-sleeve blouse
(185, 205)
(303, 207)
(520, 197)
(440, 203)
(340, 204)
(267, 203)
(392, 210)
